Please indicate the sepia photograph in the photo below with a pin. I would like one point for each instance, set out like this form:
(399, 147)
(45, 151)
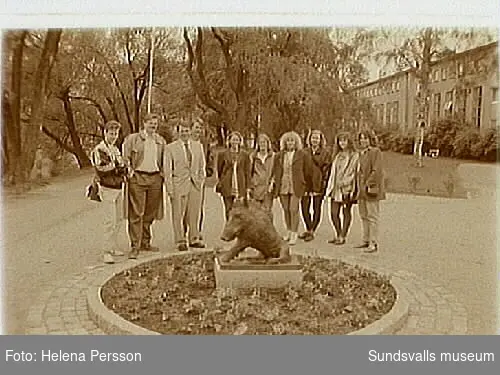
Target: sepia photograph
(255, 180)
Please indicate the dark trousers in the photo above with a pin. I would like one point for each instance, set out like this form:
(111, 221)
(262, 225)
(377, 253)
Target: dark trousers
(228, 205)
(144, 196)
(305, 204)
(341, 226)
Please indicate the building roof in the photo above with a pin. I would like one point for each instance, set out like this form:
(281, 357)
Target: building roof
(452, 56)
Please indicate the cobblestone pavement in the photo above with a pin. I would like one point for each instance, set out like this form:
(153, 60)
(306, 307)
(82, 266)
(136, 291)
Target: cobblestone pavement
(444, 249)
(61, 308)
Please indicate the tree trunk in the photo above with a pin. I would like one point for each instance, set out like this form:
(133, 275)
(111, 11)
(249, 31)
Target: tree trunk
(31, 132)
(6, 118)
(423, 100)
(78, 151)
(13, 102)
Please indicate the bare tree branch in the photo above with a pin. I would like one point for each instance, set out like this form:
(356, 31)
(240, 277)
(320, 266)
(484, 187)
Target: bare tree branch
(58, 140)
(94, 104)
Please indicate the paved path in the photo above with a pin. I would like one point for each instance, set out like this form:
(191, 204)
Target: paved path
(447, 247)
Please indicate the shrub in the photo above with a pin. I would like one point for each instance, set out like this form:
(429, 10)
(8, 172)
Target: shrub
(442, 134)
(487, 148)
(453, 138)
(465, 144)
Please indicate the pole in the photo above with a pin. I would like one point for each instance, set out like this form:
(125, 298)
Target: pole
(420, 146)
(151, 57)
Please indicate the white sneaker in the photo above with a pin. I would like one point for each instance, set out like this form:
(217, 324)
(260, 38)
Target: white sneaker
(293, 238)
(108, 258)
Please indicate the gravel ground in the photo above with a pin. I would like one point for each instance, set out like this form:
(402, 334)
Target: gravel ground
(49, 235)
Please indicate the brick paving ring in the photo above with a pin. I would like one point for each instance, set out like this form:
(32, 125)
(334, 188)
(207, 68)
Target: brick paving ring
(114, 324)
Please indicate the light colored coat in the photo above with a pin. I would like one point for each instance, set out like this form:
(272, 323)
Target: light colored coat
(179, 175)
(371, 173)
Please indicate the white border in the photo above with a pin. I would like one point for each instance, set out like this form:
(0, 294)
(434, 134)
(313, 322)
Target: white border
(115, 13)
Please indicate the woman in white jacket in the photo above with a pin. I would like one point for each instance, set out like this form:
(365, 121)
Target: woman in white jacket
(342, 187)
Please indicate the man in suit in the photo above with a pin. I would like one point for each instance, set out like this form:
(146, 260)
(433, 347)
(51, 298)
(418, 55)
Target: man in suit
(198, 135)
(185, 178)
(144, 154)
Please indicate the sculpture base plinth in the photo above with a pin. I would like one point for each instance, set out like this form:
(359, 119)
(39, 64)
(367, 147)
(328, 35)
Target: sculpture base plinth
(250, 273)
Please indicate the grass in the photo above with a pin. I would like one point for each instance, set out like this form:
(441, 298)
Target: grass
(177, 295)
(438, 177)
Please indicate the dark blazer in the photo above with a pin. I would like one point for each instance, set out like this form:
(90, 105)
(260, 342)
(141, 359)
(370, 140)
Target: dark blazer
(371, 173)
(225, 173)
(317, 170)
(299, 166)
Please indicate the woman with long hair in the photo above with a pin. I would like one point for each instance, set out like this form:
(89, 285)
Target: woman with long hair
(261, 169)
(289, 181)
(342, 187)
(318, 160)
(233, 172)
(371, 189)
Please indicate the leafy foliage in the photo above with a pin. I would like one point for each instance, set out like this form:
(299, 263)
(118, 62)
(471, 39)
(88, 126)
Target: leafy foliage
(276, 78)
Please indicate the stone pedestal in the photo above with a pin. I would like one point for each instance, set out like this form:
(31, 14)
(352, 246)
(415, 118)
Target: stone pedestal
(241, 274)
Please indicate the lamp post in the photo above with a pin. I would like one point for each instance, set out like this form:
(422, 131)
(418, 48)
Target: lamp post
(151, 59)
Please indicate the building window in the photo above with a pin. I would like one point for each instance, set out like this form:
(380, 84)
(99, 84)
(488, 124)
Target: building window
(478, 101)
(397, 86)
(452, 71)
(494, 94)
(395, 116)
(436, 75)
(380, 114)
(444, 72)
(437, 106)
(448, 105)
(460, 69)
(388, 114)
(462, 97)
(470, 67)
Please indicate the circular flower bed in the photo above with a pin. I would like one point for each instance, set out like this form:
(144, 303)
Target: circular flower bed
(177, 295)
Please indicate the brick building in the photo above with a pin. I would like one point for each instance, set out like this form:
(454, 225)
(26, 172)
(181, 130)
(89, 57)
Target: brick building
(464, 84)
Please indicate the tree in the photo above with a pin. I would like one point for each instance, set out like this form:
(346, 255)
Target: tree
(31, 132)
(11, 106)
(271, 79)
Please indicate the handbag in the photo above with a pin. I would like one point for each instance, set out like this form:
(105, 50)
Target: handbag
(93, 192)
(111, 181)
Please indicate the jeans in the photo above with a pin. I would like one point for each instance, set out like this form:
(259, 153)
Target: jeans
(369, 212)
(111, 203)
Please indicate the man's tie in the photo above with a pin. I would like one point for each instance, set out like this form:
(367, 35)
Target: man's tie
(188, 153)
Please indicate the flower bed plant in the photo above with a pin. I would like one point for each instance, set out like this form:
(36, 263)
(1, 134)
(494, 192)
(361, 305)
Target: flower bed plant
(177, 295)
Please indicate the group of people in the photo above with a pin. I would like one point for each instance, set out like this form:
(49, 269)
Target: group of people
(145, 166)
(300, 177)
